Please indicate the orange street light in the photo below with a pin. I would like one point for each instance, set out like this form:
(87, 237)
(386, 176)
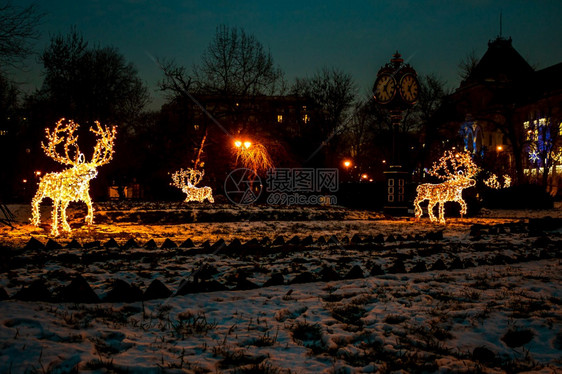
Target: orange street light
(247, 144)
(237, 143)
(499, 148)
(347, 163)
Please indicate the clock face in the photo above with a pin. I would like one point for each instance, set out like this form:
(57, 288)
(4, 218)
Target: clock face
(385, 89)
(409, 88)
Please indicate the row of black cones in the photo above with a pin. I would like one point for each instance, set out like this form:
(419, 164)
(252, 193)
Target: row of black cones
(52, 244)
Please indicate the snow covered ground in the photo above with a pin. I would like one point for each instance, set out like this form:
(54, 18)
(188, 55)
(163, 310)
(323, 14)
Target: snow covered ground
(273, 290)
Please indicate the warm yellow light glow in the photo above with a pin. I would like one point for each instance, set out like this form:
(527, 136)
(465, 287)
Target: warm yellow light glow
(72, 184)
(253, 156)
(37, 173)
(237, 143)
(347, 163)
(499, 148)
(493, 181)
(186, 180)
(506, 181)
(457, 169)
(364, 176)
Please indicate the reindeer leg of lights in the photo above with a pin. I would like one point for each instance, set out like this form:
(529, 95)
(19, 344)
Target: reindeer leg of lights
(418, 212)
(441, 212)
(64, 222)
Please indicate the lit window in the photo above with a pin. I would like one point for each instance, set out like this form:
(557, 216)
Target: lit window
(196, 126)
(305, 118)
(3, 132)
(280, 118)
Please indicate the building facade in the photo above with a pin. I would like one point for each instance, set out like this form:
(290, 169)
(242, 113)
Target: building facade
(510, 114)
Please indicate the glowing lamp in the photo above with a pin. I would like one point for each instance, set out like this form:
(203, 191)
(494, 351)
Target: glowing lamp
(347, 163)
(253, 156)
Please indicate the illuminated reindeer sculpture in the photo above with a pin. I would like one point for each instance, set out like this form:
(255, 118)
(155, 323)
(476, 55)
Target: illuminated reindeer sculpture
(457, 169)
(72, 184)
(186, 180)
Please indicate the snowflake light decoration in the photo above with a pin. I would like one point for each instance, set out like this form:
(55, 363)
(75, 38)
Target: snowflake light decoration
(186, 180)
(72, 184)
(457, 169)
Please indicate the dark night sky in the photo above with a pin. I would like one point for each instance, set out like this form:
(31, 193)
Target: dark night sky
(303, 36)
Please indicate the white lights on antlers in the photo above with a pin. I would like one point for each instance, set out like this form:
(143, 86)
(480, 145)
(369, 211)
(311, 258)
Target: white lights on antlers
(72, 184)
(186, 180)
(457, 169)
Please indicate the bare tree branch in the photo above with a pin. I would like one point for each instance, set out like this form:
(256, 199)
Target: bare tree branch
(17, 29)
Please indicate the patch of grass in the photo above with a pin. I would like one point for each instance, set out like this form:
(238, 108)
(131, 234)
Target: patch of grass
(309, 335)
(264, 367)
(265, 340)
(107, 365)
(234, 358)
(192, 323)
(349, 314)
(524, 308)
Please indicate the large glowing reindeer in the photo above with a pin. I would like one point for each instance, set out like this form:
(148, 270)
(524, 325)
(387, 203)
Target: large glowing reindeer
(457, 169)
(72, 184)
(186, 180)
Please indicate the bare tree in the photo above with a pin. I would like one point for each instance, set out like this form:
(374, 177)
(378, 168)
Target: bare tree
(237, 64)
(90, 83)
(17, 29)
(467, 65)
(334, 91)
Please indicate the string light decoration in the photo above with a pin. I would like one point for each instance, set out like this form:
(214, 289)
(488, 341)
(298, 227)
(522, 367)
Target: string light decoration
(493, 182)
(252, 156)
(457, 169)
(541, 139)
(186, 180)
(72, 184)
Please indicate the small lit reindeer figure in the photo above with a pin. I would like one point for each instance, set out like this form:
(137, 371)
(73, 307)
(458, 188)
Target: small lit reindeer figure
(457, 169)
(72, 184)
(186, 180)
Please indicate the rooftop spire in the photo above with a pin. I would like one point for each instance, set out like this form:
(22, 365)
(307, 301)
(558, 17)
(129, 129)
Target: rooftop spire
(500, 23)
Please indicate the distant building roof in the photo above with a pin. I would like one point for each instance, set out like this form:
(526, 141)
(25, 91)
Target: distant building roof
(501, 63)
(549, 80)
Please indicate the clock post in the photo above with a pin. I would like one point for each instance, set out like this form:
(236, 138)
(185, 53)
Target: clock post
(397, 89)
